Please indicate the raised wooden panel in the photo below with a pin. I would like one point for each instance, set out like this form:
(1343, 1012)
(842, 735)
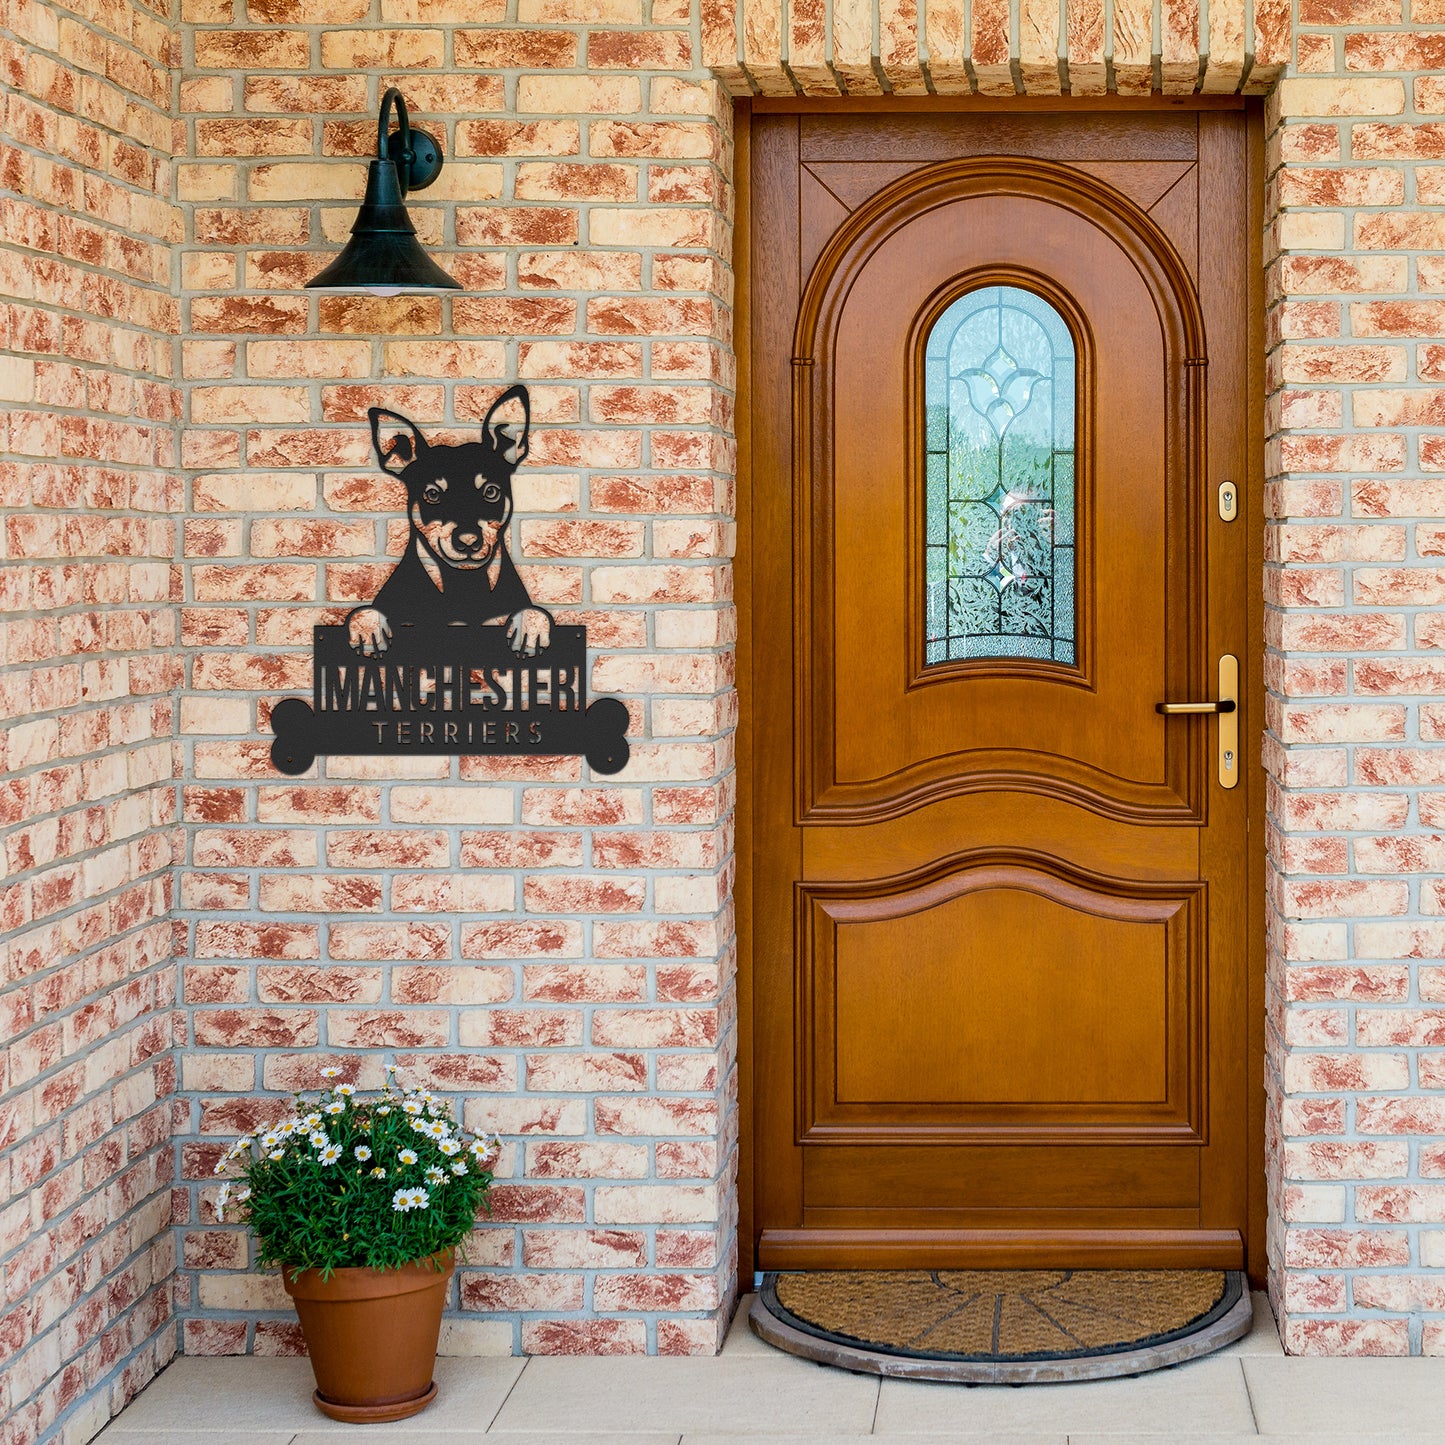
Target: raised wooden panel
(1088, 732)
(998, 998)
(820, 213)
(1144, 182)
(1136, 136)
(984, 1181)
(1177, 215)
(1002, 995)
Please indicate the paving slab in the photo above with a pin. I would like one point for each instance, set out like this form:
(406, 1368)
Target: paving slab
(962, 1438)
(740, 1337)
(1134, 1439)
(116, 1434)
(1390, 1397)
(773, 1395)
(273, 1395)
(1204, 1396)
(399, 1434)
(1263, 1336)
(209, 1396)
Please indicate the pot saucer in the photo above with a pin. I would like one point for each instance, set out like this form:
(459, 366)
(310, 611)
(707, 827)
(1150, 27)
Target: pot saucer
(375, 1414)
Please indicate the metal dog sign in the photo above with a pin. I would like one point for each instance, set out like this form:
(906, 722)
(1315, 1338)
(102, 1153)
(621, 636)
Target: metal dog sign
(452, 656)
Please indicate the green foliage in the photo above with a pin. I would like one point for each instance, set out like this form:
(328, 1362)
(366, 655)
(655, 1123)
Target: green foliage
(349, 1180)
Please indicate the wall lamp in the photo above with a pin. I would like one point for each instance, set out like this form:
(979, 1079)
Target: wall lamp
(383, 255)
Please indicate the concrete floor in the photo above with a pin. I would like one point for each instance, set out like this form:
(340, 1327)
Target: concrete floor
(1242, 1393)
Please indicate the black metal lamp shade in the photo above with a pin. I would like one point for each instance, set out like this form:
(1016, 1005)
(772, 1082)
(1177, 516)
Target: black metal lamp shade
(383, 255)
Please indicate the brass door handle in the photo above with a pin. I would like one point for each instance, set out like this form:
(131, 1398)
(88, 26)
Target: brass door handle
(1226, 707)
(1174, 709)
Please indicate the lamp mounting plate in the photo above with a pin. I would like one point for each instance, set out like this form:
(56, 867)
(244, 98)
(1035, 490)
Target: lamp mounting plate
(426, 157)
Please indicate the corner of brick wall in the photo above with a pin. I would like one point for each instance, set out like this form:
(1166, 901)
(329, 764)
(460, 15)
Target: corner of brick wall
(89, 493)
(553, 950)
(1354, 582)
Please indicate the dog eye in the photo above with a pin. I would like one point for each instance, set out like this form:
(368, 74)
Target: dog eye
(491, 492)
(431, 494)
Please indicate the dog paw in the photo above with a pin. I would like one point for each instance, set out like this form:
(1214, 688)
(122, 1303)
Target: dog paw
(529, 631)
(369, 632)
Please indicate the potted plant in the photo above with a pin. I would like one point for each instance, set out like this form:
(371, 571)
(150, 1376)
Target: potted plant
(363, 1202)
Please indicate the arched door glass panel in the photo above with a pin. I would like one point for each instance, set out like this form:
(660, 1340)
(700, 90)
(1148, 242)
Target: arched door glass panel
(1000, 399)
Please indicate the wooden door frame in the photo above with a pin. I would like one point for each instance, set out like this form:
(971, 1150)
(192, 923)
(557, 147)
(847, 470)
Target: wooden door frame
(1252, 517)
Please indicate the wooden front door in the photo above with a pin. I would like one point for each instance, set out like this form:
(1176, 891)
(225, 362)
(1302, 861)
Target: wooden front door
(999, 374)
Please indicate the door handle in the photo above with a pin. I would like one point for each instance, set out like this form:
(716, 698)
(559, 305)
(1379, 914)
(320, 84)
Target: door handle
(1175, 709)
(1227, 709)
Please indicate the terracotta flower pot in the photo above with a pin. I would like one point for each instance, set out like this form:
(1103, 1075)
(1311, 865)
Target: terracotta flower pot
(372, 1336)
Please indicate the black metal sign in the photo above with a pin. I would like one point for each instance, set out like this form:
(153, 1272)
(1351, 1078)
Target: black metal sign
(452, 656)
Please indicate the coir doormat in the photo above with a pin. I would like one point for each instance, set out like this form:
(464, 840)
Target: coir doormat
(1003, 1326)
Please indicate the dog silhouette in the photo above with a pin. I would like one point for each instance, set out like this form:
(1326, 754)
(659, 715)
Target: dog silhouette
(456, 569)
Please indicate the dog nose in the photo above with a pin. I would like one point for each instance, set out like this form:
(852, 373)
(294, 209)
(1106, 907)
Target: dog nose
(469, 539)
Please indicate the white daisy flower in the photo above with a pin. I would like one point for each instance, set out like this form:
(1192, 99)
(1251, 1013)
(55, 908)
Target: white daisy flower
(384, 1110)
(319, 1139)
(311, 1120)
(277, 1154)
(362, 1152)
(486, 1148)
(332, 1073)
(242, 1195)
(378, 1172)
(459, 1167)
(407, 1156)
(412, 1106)
(289, 1127)
(405, 1200)
(270, 1140)
(450, 1146)
(435, 1176)
(345, 1090)
(437, 1129)
(331, 1154)
(220, 1166)
(335, 1107)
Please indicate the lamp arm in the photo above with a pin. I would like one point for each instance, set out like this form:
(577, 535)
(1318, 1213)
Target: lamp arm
(393, 97)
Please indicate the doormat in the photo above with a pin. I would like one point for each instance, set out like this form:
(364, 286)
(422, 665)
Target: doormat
(998, 1326)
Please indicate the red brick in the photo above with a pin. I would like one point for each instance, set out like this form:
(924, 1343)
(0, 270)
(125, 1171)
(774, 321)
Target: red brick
(584, 1337)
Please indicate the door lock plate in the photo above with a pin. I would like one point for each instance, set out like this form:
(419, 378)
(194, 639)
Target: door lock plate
(1229, 721)
(1228, 501)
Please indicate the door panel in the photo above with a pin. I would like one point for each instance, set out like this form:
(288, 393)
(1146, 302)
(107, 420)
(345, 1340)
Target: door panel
(1023, 1035)
(1000, 972)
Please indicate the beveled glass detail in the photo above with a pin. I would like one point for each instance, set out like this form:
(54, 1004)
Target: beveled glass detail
(999, 397)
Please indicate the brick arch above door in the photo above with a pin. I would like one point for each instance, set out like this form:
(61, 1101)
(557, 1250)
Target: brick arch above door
(996, 48)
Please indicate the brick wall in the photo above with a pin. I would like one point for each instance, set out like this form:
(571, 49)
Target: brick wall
(89, 492)
(1354, 580)
(554, 949)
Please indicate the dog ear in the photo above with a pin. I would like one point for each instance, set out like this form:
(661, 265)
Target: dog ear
(510, 437)
(397, 441)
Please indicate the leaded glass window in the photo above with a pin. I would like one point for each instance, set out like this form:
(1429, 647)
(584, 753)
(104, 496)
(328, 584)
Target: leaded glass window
(1000, 395)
